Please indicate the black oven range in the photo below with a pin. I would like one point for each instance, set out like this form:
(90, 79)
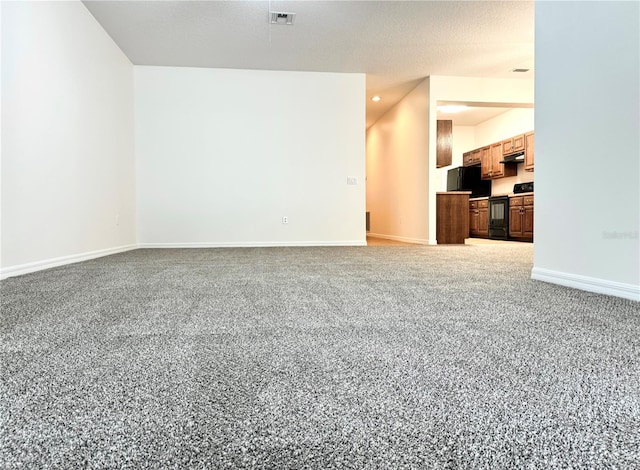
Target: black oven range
(499, 212)
(499, 217)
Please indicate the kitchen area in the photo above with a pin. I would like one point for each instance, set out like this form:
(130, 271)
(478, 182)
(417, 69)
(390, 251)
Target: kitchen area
(411, 149)
(491, 194)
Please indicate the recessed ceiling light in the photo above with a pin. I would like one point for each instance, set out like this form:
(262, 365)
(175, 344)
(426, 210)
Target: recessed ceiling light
(452, 108)
(376, 98)
(520, 70)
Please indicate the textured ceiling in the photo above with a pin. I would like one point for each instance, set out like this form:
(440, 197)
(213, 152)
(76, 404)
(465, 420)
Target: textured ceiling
(395, 43)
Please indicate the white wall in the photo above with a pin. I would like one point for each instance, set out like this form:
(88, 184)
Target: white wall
(397, 169)
(223, 155)
(67, 138)
(505, 125)
(464, 139)
(588, 146)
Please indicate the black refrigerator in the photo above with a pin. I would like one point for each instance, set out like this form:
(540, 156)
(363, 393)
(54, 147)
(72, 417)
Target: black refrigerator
(468, 178)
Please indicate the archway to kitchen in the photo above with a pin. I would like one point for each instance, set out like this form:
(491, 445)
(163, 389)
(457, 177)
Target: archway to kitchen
(401, 153)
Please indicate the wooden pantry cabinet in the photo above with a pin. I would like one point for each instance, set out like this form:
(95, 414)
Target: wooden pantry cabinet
(444, 141)
(521, 217)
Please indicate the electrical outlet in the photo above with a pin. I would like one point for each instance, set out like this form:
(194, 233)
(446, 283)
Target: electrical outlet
(352, 180)
(285, 220)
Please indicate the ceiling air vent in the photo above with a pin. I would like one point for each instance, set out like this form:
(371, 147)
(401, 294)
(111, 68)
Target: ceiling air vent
(280, 17)
(520, 70)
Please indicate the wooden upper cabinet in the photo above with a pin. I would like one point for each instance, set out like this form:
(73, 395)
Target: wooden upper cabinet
(496, 157)
(498, 170)
(490, 157)
(528, 151)
(444, 141)
(518, 143)
(506, 146)
(483, 154)
(485, 173)
(513, 145)
(476, 156)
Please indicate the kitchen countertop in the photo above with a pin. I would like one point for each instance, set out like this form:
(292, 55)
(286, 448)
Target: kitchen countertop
(501, 195)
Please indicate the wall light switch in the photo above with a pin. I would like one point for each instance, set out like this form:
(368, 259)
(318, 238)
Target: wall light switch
(352, 180)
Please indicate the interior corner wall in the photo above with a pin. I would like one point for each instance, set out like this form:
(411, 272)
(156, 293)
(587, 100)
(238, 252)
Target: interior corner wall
(588, 146)
(397, 169)
(223, 155)
(67, 138)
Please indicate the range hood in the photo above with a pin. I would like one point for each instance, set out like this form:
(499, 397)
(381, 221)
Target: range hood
(514, 158)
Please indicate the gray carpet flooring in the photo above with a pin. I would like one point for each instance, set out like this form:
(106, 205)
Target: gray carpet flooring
(361, 357)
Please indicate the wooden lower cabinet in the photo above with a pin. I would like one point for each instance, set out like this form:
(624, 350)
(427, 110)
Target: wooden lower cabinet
(473, 218)
(479, 218)
(483, 220)
(521, 217)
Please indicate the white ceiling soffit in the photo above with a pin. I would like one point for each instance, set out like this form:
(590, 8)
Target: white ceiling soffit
(472, 116)
(473, 113)
(396, 43)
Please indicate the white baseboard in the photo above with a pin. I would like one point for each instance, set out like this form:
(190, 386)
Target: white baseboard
(252, 244)
(590, 284)
(61, 261)
(419, 241)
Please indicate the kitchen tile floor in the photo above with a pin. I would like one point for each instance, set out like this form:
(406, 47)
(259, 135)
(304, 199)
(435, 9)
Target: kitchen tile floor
(374, 241)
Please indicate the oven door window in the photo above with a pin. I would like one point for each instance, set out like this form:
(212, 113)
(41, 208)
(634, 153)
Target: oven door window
(497, 211)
